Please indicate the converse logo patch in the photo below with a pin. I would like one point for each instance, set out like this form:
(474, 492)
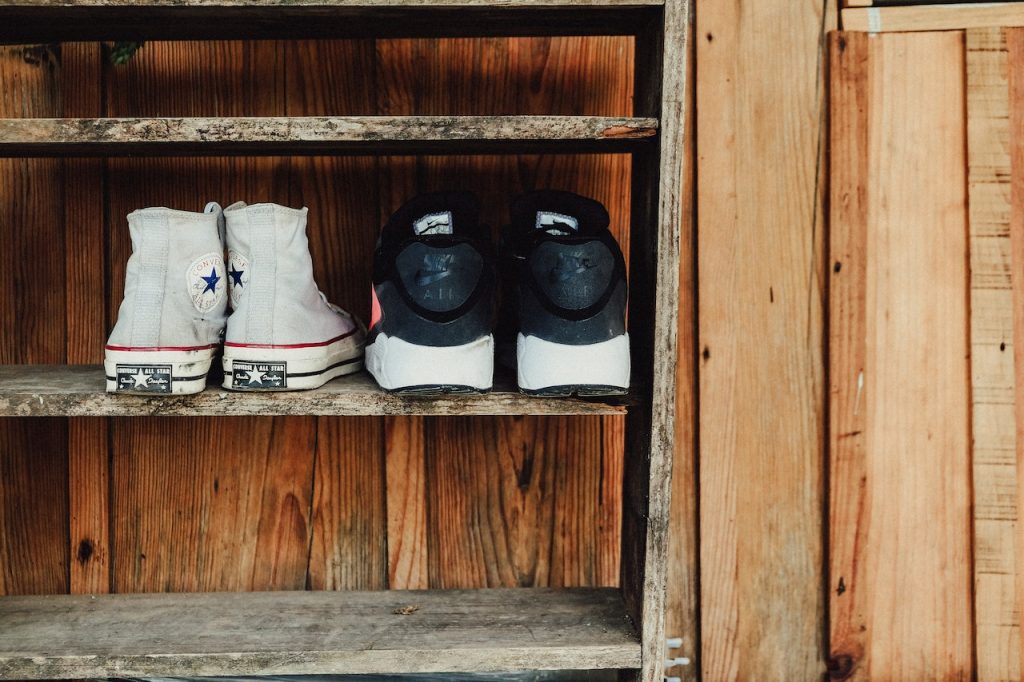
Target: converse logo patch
(238, 277)
(434, 223)
(256, 375)
(144, 378)
(204, 281)
(556, 223)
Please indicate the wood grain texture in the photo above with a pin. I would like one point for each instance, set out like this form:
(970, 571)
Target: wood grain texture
(33, 454)
(993, 455)
(1015, 58)
(516, 502)
(299, 633)
(681, 618)
(900, 371)
(349, 521)
(88, 451)
(312, 134)
(79, 391)
(760, 183)
(944, 17)
(221, 505)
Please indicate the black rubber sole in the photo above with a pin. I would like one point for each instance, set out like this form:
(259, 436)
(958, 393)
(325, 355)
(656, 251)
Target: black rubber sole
(577, 390)
(438, 389)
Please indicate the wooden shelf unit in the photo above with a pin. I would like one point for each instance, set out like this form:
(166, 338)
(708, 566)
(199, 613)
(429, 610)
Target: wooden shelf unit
(49, 637)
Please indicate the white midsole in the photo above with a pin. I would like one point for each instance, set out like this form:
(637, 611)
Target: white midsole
(291, 368)
(544, 364)
(188, 370)
(398, 364)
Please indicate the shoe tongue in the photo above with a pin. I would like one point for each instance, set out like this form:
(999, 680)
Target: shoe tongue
(441, 222)
(556, 223)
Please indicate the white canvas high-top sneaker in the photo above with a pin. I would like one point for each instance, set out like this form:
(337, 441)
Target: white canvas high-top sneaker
(282, 333)
(171, 321)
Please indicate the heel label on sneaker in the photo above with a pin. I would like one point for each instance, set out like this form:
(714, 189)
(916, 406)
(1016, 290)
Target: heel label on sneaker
(256, 374)
(144, 378)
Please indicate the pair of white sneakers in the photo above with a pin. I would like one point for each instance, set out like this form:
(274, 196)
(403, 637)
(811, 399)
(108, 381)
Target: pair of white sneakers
(281, 333)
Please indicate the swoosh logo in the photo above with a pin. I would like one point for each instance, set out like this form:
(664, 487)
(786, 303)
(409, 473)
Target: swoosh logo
(570, 266)
(423, 278)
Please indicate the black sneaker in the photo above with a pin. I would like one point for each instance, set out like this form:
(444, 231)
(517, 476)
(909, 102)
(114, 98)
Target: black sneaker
(433, 298)
(570, 286)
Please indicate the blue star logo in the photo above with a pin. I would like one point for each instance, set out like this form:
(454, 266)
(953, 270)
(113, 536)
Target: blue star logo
(236, 276)
(211, 281)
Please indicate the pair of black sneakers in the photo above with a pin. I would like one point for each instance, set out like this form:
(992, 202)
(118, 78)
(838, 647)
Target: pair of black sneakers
(435, 289)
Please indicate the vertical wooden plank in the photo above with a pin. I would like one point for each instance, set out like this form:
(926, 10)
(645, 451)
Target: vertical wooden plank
(760, 183)
(88, 450)
(223, 513)
(1015, 62)
(521, 502)
(349, 548)
(681, 621)
(993, 456)
(406, 470)
(33, 453)
(901, 503)
(847, 322)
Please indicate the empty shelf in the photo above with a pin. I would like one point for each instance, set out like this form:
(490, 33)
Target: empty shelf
(319, 135)
(304, 633)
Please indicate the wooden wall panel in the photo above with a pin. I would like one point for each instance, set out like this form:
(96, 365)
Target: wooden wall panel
(760, 145)
(993, 457)
(900, 410)
(1015, 60)
(33, 453)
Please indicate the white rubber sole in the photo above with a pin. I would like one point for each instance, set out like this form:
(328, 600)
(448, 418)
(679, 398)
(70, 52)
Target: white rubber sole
(157, 372)
(398, 365)
(560, 369)
(263, 368)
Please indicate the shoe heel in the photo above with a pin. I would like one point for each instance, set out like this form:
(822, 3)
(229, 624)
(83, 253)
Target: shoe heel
(547, 368)
(157, 372)
(405, 367)
(259, 368)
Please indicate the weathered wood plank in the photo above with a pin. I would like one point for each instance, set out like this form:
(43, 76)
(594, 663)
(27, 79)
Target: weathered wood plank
(681, 617)
(993, 456)
(78, 391)
(1015, 60)
(301, 633)
(760, 183)
(313, 134)
(944, 17)
(900, 408)
(654, 328)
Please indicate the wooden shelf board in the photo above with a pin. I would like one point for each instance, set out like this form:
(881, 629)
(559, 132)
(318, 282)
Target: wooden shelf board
(45, 21)
(938, 17)
(79, 391)
(317, 135)
(303, 633)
